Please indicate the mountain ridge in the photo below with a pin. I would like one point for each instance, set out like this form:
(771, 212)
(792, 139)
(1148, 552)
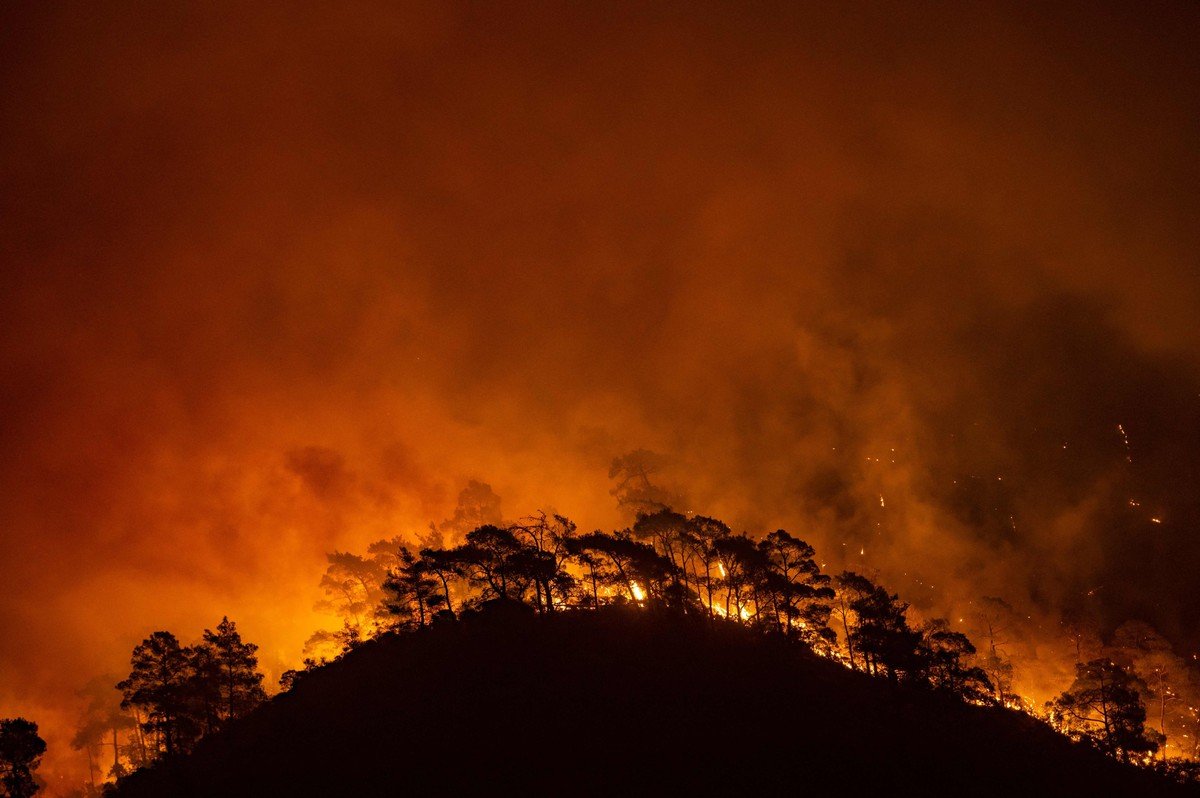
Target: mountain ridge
(628, 701)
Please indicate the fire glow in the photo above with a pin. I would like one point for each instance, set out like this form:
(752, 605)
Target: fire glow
(278, 286)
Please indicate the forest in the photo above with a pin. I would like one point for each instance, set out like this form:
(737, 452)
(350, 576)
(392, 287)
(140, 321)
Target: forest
(1130, 697)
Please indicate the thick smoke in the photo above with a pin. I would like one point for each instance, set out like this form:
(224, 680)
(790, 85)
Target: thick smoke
(279, 283)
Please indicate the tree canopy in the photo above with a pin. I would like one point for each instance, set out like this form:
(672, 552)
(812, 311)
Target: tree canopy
(21, 751)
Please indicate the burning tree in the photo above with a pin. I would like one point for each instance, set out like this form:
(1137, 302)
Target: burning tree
(627, 566)
(739, 560)
(996, 621)
(799, 594)
(1171, 689)
(1104, 705)
(668, 563)
(700, 544)
(876, 628)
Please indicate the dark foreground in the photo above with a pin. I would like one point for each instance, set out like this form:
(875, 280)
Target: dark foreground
(622, 703)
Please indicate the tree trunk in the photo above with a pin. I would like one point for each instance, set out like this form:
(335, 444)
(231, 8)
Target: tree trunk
(446, 589)
(846, 627)
(1162, 717)
(91, 767)
(708, 588)
(230, 686)
(595, 591)
(1104, 716)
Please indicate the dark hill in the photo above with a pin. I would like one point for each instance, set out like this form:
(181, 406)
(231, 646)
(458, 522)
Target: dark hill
(623, 703)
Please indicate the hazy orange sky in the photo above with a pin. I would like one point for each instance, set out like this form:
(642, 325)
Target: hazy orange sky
(282, 280)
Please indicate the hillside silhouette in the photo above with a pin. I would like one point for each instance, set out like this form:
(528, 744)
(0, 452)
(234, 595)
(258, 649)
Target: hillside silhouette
(627, 702)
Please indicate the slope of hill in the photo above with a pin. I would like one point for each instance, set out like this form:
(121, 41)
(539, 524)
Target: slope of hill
(623, 703)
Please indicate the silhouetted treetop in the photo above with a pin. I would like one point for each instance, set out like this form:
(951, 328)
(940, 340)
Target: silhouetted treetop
(21, 751)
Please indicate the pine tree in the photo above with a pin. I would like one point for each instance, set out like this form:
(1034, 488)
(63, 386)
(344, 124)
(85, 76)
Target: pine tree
(414, 595)
(21, 750)
(238, 682)
(159, 685)
(1104, 705)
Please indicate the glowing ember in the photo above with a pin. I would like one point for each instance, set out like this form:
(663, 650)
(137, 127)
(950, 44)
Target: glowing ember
(1125, 440)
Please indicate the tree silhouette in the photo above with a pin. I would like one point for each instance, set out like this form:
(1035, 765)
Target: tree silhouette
(353, 587)
(540, 570)
(588, 551)
(102, 726)
(636, 568)
(238, 681)
(159, 687)
(799, 593)
(700, 539)
(664, 529)
(337, 641)
(633, 488)
(289, 678)
(478, 505)
(850, 587)
(354, 592)
(771, 585)
(203, 689)
(386, 553)
(413, 595)
(182, 693)
(668, 533)
(947, 655)
(1082, 636)
(739, 562)
(489, 560)
(1171, 696)
(1104, 705)
(21, 751)
(549, 538)
(995, 619)
(446, 566)
(880, 632)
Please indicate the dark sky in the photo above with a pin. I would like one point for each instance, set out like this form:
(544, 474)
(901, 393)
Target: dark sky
(279, 281)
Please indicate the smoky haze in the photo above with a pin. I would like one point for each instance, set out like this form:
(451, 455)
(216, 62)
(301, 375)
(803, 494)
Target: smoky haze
(916, 283)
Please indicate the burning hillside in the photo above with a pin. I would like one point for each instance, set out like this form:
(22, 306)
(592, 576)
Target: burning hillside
(915, 283)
